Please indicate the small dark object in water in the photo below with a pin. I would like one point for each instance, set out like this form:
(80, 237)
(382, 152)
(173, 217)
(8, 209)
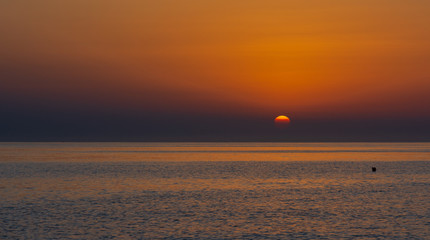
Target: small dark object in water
(373, 169)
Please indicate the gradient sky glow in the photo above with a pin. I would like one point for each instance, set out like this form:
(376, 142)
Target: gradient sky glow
(216, 69)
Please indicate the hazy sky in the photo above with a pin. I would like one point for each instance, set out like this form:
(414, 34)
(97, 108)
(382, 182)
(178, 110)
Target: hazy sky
(215, 69)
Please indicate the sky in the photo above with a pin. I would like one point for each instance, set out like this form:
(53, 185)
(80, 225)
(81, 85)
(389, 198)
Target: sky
(214, 70)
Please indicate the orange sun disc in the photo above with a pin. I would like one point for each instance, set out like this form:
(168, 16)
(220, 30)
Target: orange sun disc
(282, 121)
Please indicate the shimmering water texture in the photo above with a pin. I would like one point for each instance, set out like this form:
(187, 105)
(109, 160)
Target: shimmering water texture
(214, 191)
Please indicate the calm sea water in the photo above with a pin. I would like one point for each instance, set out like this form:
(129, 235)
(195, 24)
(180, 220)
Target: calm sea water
(214, 191)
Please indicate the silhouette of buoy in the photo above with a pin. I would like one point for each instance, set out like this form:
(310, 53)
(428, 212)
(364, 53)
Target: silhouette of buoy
(373, 169)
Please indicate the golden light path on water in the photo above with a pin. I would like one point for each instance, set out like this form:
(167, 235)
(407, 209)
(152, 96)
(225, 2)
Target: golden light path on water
(214, 190)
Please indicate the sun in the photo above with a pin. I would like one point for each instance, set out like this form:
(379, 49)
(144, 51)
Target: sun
(282, 121)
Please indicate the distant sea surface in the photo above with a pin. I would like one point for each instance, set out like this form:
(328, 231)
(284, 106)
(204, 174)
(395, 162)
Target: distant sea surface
(214, 191)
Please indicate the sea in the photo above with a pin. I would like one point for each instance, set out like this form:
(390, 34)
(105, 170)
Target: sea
(207, 190)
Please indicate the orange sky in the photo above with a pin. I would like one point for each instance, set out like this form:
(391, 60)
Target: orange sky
(312, 59)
